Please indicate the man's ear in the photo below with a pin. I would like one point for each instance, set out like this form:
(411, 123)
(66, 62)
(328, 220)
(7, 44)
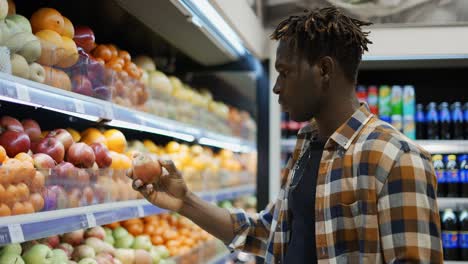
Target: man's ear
(327, 67)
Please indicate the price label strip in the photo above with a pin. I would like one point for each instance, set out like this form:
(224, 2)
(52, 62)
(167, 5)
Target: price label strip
(141, 211)
(79, 107)
(91, 220)
(22, 92)
(16, 233)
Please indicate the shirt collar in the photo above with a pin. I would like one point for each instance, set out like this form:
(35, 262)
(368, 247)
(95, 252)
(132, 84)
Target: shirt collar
(346, 133)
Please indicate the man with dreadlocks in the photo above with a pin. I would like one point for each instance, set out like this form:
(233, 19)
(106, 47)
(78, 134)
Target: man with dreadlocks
(355, 191)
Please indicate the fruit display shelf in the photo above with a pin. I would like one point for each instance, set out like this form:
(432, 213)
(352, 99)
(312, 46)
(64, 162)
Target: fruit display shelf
(433, 146)
(22, 91)
(455, 262)
(22, 228)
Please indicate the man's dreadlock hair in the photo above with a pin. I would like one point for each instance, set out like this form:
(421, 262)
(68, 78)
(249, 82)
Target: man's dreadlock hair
(326, 32)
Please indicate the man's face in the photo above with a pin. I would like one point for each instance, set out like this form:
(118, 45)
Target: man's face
(299, 84)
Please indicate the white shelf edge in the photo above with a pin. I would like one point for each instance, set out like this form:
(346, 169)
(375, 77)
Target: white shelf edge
(454, 203)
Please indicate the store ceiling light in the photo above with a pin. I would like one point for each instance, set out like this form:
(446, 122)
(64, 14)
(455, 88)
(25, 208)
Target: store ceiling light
(205, 16)
(173, 134)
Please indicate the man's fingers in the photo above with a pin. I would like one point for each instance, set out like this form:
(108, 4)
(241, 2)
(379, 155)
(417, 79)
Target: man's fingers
(170, 167)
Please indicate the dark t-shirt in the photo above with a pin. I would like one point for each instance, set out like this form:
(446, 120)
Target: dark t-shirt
(301, 203)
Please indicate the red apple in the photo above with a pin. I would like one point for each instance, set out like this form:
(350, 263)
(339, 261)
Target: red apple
(65, 174)
(74, 197)
(52, 241)
(84, 38)
(145, 168)
(82, 85)
(81, 155)
(82, 178)
(52, 147)
(103, 156)
(32, 128)
(63, 136)
(74, 238)
(15, 142)
(88, 195)
(10, 123)
(43, 161)
(97, 232)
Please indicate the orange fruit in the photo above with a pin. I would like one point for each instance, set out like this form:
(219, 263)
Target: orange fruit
(18, 208)
(3, 155)
(135, 229)
(37, 201)
(52, 47)
(172, 243)
(24, 157)
(116, 140)
(102, 52)
(149, 229)
(70, 53)
(75, 134)
(113, 225)
(47, 18)
(4, 210)
(38, 182)
(68, 29)
(169, 235)
(130, 222)
(114, 50)
(28, 208)
(23, 191)
(126, 162)
(157, 240)
(172, 147)
(124, 55)
(150, 146)
(93, 135)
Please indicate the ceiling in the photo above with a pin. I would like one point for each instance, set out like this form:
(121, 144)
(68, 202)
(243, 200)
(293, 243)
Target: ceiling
(380, 12)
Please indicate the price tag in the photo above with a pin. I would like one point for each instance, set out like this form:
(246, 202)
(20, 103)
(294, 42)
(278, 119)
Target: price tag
(91, 219)
(141, 211)
(108, 111)
(16, 233)
(4, 235)
(22, 92)
(79, 106)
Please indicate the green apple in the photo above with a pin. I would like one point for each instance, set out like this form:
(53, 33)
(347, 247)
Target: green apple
(36, 72)
(109, 239)
(38, 254)
(159, 81)
(108, 231)
(142, 242)
(124, 242)
(162, 251)
(87, 261)
(3, 9)
(31, 50)
(119, 232)
(10, 258)
(19, 66)
(20, 22)
(16, 42)
(126, 256)
(14, 248)
(59, 256)
(155, 255)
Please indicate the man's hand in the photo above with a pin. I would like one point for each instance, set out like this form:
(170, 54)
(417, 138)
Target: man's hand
(169, 192)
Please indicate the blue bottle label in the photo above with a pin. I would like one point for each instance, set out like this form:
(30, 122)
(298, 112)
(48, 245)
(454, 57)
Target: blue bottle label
(452, 176)
(440, 175)
(463, 175)
(450, 239)
(463, 239)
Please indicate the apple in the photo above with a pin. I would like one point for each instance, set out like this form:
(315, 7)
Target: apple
(43, 161)
(119, 232)
(88, 261)
(74, 197)
(36, 72)
(54, 198)
(124, 242)
(99, 246)
(102, 92)
(143, 257)
(162, 251)
(97, 232)
(3, 9)
(52, 241)
(102, 154)
(145, 168)
(145, 63)
(31, 50)
(73, 238)
(10, 258)
(72, 262)
(96, 72)
(38, 254)
(14, 142)
(32, 128)
(117, 261)
(109, 239)
(83, 251)
(18, 40)
(84, 37)
(126, 256)
(88, 195)
(104, 258)
(82, 85)
(10, 123)
(142, 242)
(81, 155)
(52, 147)
(19, 66)
(20, 22)
(155, 255)
(160, 82)
(59, 256)
(14, 248)
(67, 248)
(63, 136)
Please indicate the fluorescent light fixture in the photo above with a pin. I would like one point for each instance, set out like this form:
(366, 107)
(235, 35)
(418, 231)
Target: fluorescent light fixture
(225, 145)
(123, 124)
(205, 16)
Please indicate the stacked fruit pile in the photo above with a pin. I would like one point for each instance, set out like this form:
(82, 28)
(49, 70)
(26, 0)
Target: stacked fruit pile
(96, 245)
(174, 232)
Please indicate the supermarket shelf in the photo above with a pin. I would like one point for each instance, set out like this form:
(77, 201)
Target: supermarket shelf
(33, 226)
(433, 146)
(455, 262)
(22, 91)
(454, 203)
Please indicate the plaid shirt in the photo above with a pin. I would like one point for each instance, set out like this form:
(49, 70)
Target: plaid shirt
(375, 201)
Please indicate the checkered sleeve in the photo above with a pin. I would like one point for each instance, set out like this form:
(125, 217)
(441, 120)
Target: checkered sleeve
(409, 221)
(251, 231)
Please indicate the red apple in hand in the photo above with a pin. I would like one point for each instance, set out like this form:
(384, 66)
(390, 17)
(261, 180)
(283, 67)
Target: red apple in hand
(10, 123)
(103, 156)
(84, 37)
(32, 128)
(43, 161)
(52, 147)
(81, 155)
(15, 142)
(63, 136)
